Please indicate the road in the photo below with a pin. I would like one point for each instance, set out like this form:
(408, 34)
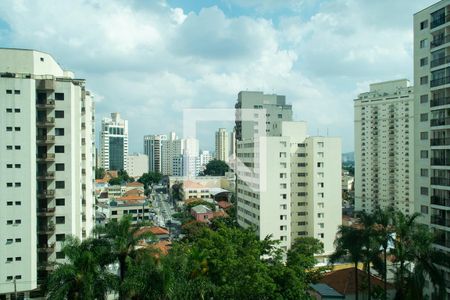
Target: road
(163, 209)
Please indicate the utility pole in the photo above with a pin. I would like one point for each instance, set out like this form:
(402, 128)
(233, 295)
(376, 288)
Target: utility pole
(15, 289)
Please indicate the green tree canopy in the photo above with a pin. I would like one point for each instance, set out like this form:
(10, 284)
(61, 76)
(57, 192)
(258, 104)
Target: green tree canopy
(122, 177)
(99, 173)
(216, 168)
(150, 178)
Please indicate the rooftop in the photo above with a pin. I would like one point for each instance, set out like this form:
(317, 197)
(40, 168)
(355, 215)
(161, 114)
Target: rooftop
(201, 209)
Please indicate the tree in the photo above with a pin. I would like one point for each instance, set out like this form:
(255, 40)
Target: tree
(150, 178)
(124, 238)
(84, 275)
(99, 173)
(122, 177)
(349, 243)
(177, 191)
(216, 167)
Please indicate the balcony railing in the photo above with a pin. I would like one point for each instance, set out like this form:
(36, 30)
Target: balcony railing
(440, 161)
(439, 41)
(436, 200)
(440, 81)
(440, 121)
(440, 181)
(46, 248)
(440, 61)
(47, 266)
(49, 229)
(46, 139)
(439, 21)
(437, 220)
(46, 193)
(49, 103)
(49, 175)
(48, 122)
(439, 101)
(440, 142)
(45, 157)
(46, 212)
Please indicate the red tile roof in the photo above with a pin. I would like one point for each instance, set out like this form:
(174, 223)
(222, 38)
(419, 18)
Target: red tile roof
(136, 184)
(188, 184)
(156, 230)
(224, 204)
(131, 198)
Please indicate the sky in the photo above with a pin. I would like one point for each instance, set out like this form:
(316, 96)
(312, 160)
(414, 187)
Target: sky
(150, 60)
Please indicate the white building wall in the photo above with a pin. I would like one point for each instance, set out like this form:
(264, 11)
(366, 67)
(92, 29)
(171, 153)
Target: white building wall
(137, 164)
(113, 127)
(222, 145)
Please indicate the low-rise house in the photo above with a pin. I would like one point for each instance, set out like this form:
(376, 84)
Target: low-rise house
(322, 291)
(134, 185)
(116, 191)
(137, 207)
(202, 213)
(160, 233)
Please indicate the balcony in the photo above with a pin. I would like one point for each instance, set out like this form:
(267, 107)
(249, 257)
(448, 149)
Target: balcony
(443, 243)
(45, 139)
(439, 41)
(47, 122)
(440, 161)
(46, 194)
(47, 104)
(440, 142)
(45, 248)
(437, 220)
(46, 266)
(440, 81)
(46, 212)
(440, 122)
(439, 101)
(48, 229)
(440, 181)
(441, 201)
(49, 175)
(439, 21)
(45, 84)
(440, 61)
(45, 157)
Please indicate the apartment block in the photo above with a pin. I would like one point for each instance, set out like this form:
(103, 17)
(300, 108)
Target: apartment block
(222, 148)
(170, 149)
(153, 149)
(114, 143)
(46, 166)
(289, 184)
(384, 151)
(432, 121)
(137, 164)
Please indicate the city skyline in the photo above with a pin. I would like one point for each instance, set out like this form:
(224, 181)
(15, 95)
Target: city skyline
(320, 54)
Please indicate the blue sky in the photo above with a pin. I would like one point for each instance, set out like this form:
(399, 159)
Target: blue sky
(150, 60)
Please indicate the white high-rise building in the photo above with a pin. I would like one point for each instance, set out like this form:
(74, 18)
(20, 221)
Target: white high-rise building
(114, 143)
(432, 122)
(170, 149)
(384, 136)
(205, 158)
(289, 184)
(137, 164)
(222, 145)
(153, 149)
(46, 166)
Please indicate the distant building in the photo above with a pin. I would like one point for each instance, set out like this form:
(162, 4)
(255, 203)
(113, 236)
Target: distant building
(289, 183)
(46, 167)
(222, 148)
(384, 150)
(170, 149)
(114, 143)
(153, 149)
(137, 164)
(205, 158)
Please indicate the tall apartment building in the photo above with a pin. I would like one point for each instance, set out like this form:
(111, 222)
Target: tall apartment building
(46, 166)
(137, 164)
(153, 149)
(170, 149)
(205, 158)
(114, 143)
(222, 148)
(432, 121)
(384, 151)
(289, 184)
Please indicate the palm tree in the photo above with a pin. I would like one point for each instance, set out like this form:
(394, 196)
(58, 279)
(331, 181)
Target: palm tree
(84, 275)
(349, 243)
(124, 238)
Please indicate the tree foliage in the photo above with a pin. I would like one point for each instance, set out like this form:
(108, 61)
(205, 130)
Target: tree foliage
(147, 179)
(216, 167)
(122, 178)
(99, 173)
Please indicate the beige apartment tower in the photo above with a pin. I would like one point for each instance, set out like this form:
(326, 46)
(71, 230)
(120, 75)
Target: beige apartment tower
(384, 136)
(432, 121)
(46, 166)
(222, 148)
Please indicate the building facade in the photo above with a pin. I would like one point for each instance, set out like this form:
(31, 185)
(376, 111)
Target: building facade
(222, 148)
(170, 149)
(46, 166)
(432, 121)
(289, 184)
(137, 164)
(114, 143)
(384, 151)
(153, 149)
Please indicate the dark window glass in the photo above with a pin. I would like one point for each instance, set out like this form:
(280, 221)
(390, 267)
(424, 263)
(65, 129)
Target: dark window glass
(60, 184)
(59, 114)
(59, 149)
(60, 202)
(60, 220)
(59, 167)
(59, 96)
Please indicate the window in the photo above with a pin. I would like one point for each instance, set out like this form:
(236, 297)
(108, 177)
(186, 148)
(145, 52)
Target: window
(283, 185)
(9, 184)
(18, 240)
(423, 117)
(424, 80)
(18, 203)
(424, 99)
(282, 154)
(9, 128)
(17, 110)
(60, 255)
(59, 131)
(423, 43)
(8, 147)
(320, 235)
(59, 96)
(60, 220)
(280, 116)
(424, 191)
(283, 175)
(60, 201)
(17, 184)
(9, 91)
(60, 237)
(17, 92)
(423, 154)
(424, 172)
(16, 128)
(424, 135)
(59, 149)
(9, 241)
(9, 222)
(9, 110)
(320, 215)
(423, 25)
(59, 114)
(9, 259)
(17, 166)
(18, 258)
(320, 164)
(424, 209)
(424, 61)
(9, 203)
(283, 196)
(59, 167)
(60, 184)
(17, 147)
(18, 221)
(114, 213)
(9, 278)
